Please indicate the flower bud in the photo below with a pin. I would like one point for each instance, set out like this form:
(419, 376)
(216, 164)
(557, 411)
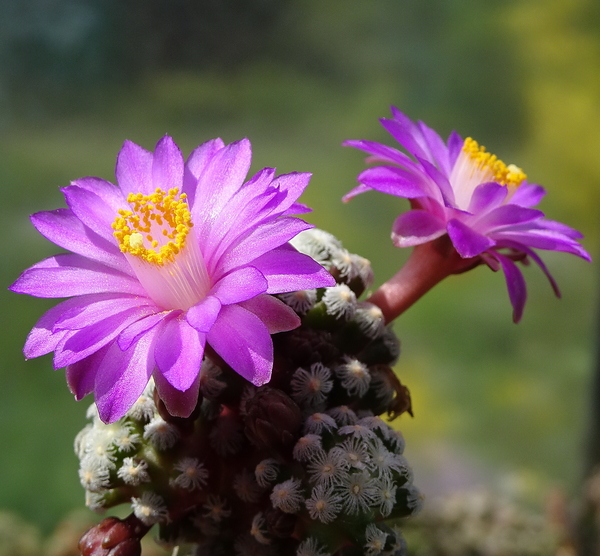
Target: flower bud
(114, 537)
(273, 419)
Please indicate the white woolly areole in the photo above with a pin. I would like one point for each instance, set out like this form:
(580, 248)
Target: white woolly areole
(150, 508)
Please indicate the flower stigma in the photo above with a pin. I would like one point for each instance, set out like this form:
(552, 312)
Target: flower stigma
(158, 240)
(475, 166)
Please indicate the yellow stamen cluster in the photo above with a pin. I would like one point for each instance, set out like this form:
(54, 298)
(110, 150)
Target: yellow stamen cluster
(164, 213)
(506, 175)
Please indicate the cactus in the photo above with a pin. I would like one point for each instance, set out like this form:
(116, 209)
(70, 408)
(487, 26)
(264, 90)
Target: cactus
(304, 465)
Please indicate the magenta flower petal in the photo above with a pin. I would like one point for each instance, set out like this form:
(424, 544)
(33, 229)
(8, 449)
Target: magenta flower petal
(64, 229)
(487, 196)
(66, 275)
(517, 290)
(560, 228)
(81, 376)
(415, 227)
(260, 183)
(122, 376)
(274, 313)
(293, 185)
(240, 285)
(244, 343)
(542, 239)
(245, 206)
(406, 133)
(92, 210)
(506, 216)
(176, 255)
(436, 149)
(43, 339)
(297, 208)
(394, 181)
(134, 169)
(204, 314)
(179, 353)
(90, 339)
(196, 164)
(460, 189)
(201, 156)
(534, 256)
(383, 153)
(221, 178)
(96, 310)
(136, 330)
(356, 191)
(167, 165)
(274, 266)
(178, 403)
(110, 194)
(262, 239)
(455, 145)
(528, 195)
(442, 183)
(467, 242)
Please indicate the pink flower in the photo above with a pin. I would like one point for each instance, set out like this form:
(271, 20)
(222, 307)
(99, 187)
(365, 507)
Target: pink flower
(176, 256)
(458, 190)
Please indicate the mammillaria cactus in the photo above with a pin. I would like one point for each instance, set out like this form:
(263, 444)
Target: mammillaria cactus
(303, 465)
(239, 379)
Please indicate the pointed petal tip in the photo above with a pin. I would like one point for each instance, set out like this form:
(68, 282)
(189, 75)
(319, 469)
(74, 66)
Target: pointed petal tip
(241, 143)
(261, 379)
(13, 287)
(165, 138)
(108, 413)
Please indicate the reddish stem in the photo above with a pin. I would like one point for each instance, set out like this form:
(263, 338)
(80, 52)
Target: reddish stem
(427, 265)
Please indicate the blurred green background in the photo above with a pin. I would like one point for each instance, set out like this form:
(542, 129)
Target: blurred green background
(495, 404)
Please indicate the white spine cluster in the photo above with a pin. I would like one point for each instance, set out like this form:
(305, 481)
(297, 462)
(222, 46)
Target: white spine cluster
(310, 387)
(259, 529)
(133, 471)
(301, 301)
(287, 496)
(354, 376)
(376, 539)
(319, 422)
(343, 415)
(150, 508)
(370, 319)
(161, 434)
(266, 472)
(144, 409)
(307, 447)
(340, 301)
(192, 474)
(324, 504)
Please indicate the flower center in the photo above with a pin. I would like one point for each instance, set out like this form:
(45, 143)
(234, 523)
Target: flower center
(487, 162)
(475, 166)
(160, 220)
(158, 240)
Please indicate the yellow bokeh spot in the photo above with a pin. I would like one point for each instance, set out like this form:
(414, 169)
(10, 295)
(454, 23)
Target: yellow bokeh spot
(155, 218)
(506, 175)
